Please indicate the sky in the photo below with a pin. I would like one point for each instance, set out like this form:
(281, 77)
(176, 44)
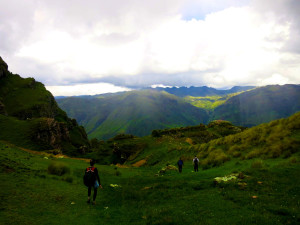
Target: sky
(81, 47)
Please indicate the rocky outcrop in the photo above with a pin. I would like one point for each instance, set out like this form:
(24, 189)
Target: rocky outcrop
(3, 68)
(52, 133)
(47, 126)
(42, 110)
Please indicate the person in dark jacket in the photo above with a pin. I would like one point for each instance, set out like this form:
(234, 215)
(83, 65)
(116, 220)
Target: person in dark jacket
(180, 164)
(96, 185)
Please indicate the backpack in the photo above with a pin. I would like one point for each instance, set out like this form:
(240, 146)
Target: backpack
(196, 160)
(89, 177)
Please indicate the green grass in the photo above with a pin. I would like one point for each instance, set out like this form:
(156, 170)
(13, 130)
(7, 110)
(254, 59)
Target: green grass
(30, 195)
(209, 103)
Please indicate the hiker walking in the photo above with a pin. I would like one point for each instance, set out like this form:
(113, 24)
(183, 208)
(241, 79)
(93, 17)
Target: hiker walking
(196, 161)
(180, 164)
(92, 180)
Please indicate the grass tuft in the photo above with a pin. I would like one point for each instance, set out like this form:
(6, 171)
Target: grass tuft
(58, 168)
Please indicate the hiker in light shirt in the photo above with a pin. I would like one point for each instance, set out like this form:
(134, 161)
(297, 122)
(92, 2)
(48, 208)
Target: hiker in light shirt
(196, 161)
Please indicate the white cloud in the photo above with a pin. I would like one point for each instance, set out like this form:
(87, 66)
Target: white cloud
(142, 43)
(274, 79)
(160, 85)
(85, 89)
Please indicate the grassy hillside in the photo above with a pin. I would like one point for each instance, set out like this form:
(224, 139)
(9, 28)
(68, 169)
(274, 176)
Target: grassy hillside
(159, 148)
(215, 144)
(279, 138)
(248, 176)
(209, 103)
(30, 116)
(136, 112)
(32, 195)
(260, 105)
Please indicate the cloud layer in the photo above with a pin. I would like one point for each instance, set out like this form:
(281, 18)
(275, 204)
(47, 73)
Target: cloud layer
(142, 43)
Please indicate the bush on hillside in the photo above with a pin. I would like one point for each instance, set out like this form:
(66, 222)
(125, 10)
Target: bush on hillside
(214, 158)
(68, 179)
(122, 136)
(58, 168)
(257, 164)
(254, 154)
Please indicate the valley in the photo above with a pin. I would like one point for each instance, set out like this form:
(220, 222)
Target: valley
(139, 112)
(247, 175)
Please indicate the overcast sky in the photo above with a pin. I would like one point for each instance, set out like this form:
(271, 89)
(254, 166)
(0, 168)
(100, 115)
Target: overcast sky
(88, 47)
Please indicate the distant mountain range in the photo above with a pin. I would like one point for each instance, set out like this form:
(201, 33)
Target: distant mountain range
(135, 112)
(140, 112)
(260, 105)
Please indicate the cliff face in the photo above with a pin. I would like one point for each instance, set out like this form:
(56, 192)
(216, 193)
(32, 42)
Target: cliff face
(51, 132)
(3, 68)
(48, 126)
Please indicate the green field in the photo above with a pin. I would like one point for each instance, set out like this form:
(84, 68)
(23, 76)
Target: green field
(30, 195)
(208, 103)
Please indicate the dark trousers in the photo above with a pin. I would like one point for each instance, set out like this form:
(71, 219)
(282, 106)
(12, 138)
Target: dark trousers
(95, 193)
(180, 169)
(196, 167)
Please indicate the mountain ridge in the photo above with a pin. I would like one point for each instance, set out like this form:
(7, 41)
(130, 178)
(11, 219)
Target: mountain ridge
(107, 115)
(136, 112)
(260, 105)
(31, 118)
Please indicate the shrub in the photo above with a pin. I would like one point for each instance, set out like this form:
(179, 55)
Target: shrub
(118, 173)
(275, 151)
(156, 133)
(293, 160)
(257, 164)
(122, 136)
(232, 139)
(215, 158)
(253, 154)
(58, 168)
(236, 154)
(219, 141)
(69, 179)
(234, 148)
(287, 154)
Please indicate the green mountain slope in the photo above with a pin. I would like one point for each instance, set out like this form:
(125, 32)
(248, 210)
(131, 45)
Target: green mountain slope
(215, 144)
(209, 103)
(260, 105)
(136, 112)
(276, 139)
(31, 118)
